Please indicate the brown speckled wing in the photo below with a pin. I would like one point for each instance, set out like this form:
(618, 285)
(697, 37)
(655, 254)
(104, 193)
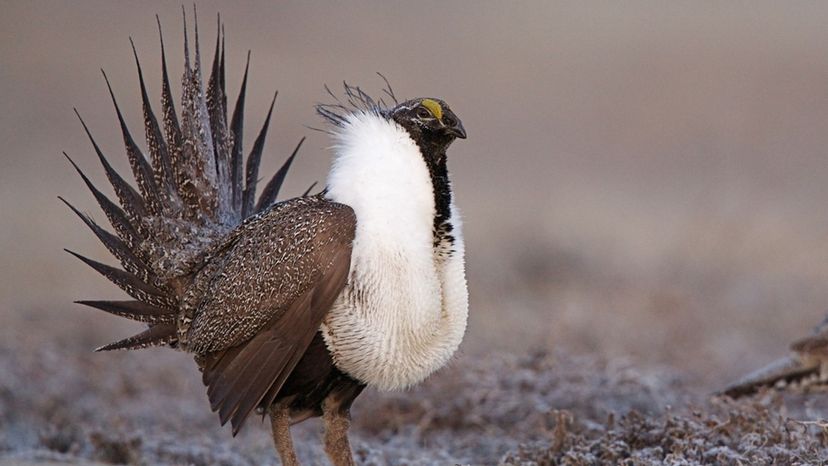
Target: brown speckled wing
(280, 276)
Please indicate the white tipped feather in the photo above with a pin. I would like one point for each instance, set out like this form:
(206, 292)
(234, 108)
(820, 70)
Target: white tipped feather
(404, 311)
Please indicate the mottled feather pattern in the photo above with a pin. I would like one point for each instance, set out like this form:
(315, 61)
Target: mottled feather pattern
(271, 262)
(131, 284)
(132, 202)
(169, 228)
(172, 128)
(141, 170)
(198, 171)
(155, 335)
(135, 310)
(269, 286)
(117, 248)
(194, 294)
(157, 146)
(222, 139)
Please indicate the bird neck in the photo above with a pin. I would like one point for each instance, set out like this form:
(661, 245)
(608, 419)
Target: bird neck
(399, 192)
(435, 160)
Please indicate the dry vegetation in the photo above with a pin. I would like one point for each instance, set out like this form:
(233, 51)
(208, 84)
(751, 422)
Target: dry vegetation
(631, 356)
(62, 404)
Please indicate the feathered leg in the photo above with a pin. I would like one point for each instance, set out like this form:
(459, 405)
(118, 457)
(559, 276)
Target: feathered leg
(337, 420)
(280, 423)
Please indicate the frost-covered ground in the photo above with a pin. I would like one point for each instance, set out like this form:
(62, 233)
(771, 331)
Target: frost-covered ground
(60, 404)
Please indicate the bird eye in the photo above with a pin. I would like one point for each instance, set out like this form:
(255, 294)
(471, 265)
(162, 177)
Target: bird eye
(423, 112)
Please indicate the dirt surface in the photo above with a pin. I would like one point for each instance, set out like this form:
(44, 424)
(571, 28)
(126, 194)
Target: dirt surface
(61, 404)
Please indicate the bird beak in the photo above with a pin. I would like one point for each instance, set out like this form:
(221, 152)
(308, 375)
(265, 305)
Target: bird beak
(457, 130)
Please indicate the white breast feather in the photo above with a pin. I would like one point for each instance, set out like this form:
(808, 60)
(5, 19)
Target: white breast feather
(404, 312)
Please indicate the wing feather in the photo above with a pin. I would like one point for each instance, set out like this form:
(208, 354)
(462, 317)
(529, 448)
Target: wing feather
(270, 262)
(279, 279)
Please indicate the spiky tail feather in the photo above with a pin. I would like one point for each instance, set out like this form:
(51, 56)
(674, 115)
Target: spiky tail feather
(191, 192)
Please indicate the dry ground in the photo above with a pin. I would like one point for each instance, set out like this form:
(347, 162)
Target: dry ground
(63, 404)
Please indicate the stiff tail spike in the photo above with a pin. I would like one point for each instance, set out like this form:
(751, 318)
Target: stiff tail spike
(214, 90)
(128, 282)
(217, 70)
(237, 157)
(186, 40)
(161, 164)
(253, 161)
(116, 216)
(197, 58)
(131, 201)
(171, 126)
(222, 70)
(198, 158)
(217, 111)
(134, 310)
(156, 335)
(141, 169)
(271, 191)
(115, 246)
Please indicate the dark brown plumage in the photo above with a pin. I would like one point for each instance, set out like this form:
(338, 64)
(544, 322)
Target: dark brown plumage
(280, 273)
(240, 283)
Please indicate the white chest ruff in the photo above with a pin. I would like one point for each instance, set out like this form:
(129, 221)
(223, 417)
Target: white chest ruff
(371, 332)
(403, 313)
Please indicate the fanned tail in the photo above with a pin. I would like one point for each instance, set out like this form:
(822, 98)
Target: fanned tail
(192, 189)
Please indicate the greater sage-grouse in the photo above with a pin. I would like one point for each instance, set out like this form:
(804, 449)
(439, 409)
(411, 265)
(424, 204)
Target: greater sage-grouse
(290, 308)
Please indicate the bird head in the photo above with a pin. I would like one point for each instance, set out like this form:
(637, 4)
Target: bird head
(429, 121)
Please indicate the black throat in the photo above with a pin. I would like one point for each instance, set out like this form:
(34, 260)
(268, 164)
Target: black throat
(435, 159)
(433, 145)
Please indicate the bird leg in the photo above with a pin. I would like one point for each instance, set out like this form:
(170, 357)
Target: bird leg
(337, 419)
(280, 423)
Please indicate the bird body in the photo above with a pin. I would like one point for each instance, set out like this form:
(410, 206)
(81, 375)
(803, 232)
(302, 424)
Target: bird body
(289, 308)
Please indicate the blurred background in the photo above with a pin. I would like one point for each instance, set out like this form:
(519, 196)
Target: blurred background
(644, 180)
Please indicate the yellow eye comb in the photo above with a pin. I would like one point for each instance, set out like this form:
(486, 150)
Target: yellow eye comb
(434, 107)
